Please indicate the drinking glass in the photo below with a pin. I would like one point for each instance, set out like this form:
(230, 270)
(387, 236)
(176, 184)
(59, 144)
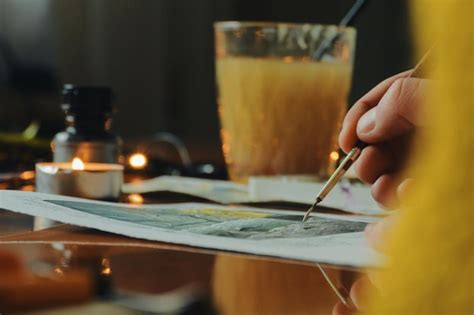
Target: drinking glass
(282, 94)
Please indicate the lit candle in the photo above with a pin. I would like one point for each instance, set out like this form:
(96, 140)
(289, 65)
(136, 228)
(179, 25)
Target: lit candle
(99, 181)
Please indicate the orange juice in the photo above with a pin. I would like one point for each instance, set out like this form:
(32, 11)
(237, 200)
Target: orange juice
(280, 116)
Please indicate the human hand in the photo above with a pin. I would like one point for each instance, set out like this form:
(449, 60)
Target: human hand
(375, 233)
(385, 118)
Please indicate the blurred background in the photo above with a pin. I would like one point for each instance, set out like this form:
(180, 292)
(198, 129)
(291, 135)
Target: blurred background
(158, 57)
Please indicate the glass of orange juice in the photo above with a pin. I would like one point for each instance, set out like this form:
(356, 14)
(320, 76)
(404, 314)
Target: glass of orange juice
(282, 94)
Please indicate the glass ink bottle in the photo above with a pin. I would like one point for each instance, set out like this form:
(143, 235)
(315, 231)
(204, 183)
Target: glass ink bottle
(88, 135)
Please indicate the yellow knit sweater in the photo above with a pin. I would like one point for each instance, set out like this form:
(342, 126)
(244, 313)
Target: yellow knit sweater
(431, 250)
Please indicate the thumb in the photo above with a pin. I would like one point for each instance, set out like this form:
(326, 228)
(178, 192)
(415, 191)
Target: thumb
(396, 113)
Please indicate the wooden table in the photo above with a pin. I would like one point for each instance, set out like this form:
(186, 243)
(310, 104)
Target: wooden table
(212, 281)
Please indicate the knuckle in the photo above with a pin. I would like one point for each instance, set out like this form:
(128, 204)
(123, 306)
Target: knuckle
(397, 88)
(402, 92)
(410, 93)
(399, 82)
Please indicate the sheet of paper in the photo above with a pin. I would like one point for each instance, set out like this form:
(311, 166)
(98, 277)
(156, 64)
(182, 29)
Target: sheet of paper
(221, 191)
(329, 239)
(353, 198)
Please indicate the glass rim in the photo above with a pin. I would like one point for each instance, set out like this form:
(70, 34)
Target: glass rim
(234, 24)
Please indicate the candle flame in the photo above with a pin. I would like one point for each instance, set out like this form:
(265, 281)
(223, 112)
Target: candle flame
(77, 164)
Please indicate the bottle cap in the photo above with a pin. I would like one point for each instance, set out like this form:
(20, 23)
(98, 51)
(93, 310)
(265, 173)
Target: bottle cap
(87, 99)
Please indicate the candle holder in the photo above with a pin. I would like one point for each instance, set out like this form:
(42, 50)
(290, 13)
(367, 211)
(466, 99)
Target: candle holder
(99, 181)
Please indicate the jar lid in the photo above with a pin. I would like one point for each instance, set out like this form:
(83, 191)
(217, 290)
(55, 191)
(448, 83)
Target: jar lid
(87, 99)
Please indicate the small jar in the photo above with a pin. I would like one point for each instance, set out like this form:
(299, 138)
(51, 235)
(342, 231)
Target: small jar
(88, 134)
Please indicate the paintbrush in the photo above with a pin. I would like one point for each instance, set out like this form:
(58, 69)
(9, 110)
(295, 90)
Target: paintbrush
(353, 154)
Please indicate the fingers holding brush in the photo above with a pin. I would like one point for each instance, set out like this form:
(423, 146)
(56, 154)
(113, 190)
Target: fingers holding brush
(385, 119)
(396, 114)
(348, 134)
